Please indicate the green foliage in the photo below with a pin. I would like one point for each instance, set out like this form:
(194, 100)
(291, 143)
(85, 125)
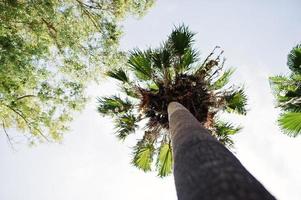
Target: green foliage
(118, 74)
(224, 130)
(181, 39)
(223, 80)
(290, 122)
(180, 43)
(140, 62)
(236, 101)
(287, 90)
(143, 155)
(164, 161)
(49, 52)
(125, 124)
(153, 79)
(114, 105)
(294, 59)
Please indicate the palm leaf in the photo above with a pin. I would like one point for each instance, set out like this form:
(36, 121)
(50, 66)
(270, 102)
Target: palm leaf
(113, 105)
(281, 84)
(140, 62)
(236, 102)
(161, 58)
(125, 125)
(223, 79)
(130, 90)
(291, 123)
(181, 39)
(294, 59)
(153, 87)
(224, 130)
(189, 58)
(164, 160)
(118, 74)
(161, 64)
(279, 79)
(143, 155)
(287, 92)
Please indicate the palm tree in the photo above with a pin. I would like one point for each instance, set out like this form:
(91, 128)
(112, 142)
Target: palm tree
(287, 90)
(156, 77)
(154, 87)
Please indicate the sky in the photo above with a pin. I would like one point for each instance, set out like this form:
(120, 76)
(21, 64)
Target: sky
(92, 164)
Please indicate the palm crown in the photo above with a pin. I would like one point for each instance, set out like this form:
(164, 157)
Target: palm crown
(153, 79)
(287, 90)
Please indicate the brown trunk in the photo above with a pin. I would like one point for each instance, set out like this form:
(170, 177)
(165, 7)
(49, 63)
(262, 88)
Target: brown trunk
(203, 167)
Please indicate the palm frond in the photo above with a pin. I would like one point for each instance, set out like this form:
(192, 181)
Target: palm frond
(125, 125)
(143, 155)
(118, 74)
(113, 105)
(224, 130)
(223, 79)
(130, 90)
(294, 59)
(162, 62)
(164, 160)
(189, 58)
(296, 77)
(161, 58)
(287, 92)
(236, 102)
(281, 84)
(153, 87)
(290, 122)
(279, 79)
(181, 39)
(141, 64)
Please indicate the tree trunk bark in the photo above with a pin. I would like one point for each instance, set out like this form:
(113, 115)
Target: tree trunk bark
(203, 167)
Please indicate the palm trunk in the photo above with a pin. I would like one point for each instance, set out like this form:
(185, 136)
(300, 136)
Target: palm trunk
(203, 167)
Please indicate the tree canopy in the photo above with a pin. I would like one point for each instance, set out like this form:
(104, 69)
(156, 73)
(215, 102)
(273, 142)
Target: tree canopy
(49, 51)
(157, 76)
(287, 90)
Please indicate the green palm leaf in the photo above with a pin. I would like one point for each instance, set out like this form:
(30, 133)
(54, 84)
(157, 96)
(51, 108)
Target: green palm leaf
(223, 79)
(143, 156)
(291, 123)
(161, 58)
(294, 59)
(140, 62)
(125, 125)
(113, 105)
(118, 74)
(287, 90)
(278, 79)
(190, 57)
(164, 160)
(161, 64)
(224, 130)
(181, 39)
(130, 90)
(236, 102)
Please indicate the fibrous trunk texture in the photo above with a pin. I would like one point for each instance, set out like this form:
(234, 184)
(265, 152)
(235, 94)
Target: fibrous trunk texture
(188, 90)
(203, 167)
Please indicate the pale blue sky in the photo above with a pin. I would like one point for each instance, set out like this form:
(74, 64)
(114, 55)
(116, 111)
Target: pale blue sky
(92, 164)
